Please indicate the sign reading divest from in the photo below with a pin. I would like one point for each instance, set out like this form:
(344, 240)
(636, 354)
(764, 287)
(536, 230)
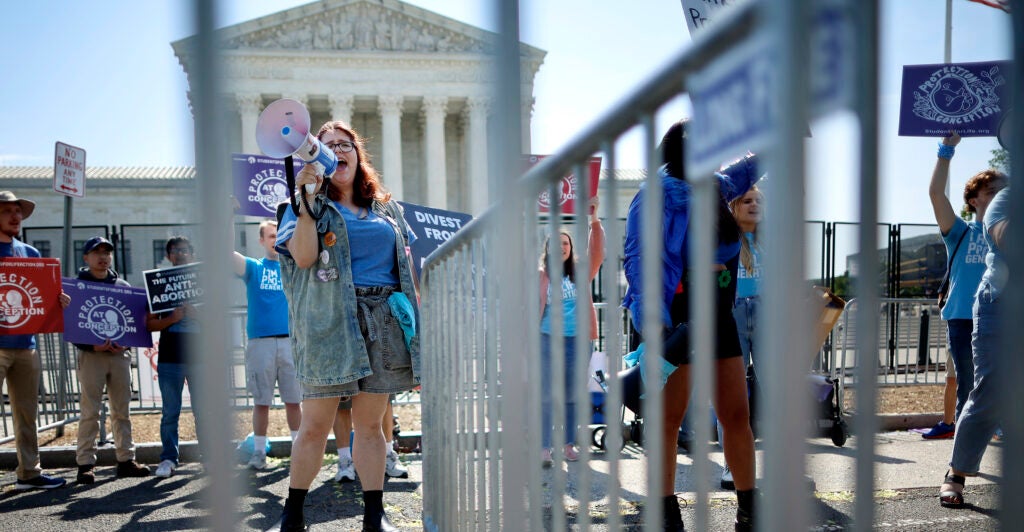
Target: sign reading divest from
(69, 170)
(29, 296)
(260, 183)
(568, 188)
(101, 312)
(734, 110)
(967, 97)
(170, 288)
(432, 227)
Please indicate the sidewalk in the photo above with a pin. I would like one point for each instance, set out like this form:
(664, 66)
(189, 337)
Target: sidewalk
(908, 470)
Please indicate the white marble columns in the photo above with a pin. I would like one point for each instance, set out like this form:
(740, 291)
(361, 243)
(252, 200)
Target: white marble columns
(478, 178)
(340, 107)
(434, 109)
(249, 107)
(391, 133)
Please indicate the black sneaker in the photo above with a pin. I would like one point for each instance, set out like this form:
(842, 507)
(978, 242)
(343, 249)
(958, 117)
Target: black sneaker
(86, 474)
(42, 482)
(131, 468)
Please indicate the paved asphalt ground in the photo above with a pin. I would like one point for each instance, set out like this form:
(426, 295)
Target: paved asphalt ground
(908, 471)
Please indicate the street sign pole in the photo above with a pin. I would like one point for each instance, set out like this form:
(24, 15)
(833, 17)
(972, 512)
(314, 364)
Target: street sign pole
(69, 180)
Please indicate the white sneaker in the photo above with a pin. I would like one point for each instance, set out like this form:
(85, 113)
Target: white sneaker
(346, 470)
(394, 467)
(258, 461)
(727, 482)
(165, 469)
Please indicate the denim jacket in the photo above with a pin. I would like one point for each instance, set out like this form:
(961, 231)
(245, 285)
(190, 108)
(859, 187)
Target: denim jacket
(326, 342)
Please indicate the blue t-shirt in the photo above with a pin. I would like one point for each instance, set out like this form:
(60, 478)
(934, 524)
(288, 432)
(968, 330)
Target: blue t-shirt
(748, 283)
(996, 273)
(568, 308)
(268, 307)
(967, 267)
(16, 248)
(371, 243)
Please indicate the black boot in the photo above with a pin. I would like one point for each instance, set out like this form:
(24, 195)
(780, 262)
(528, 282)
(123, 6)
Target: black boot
(292, 519)
(374, 518)
(671, 517)
(745, 510)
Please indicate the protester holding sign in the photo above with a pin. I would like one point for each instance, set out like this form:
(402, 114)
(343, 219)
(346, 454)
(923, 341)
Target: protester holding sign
(268, 348)
(571, 280)
(104, 365)
(19, 361)
(730, 397)
(353, 308)
(178, 330)
(966, 249)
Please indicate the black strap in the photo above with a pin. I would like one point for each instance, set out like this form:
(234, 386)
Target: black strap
(944, 285)
(289, 172)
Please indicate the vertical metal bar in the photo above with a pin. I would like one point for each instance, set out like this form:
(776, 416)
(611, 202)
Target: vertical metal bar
(508, 127)
(651, 252)
(212, 188)
(866, 421)
(583, 350)
(533, 437)
(702, 233)
(480, 375)
(462, 428)
(557, 358)
(785, 330)
(1013, 299)
(613, 336)
(494, 421)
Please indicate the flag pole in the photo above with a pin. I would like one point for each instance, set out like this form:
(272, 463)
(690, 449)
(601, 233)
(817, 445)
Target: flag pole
(947, 57)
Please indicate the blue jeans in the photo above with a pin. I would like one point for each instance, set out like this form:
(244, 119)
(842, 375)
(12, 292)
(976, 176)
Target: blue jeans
(979, 419)
(546, 394)
(171, 378)
(959, 332)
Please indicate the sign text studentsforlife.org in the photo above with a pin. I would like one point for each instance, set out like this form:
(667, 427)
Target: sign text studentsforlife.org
(100, 311)
(259, 183)
(29, 296)
(967, 97)
(170, 288)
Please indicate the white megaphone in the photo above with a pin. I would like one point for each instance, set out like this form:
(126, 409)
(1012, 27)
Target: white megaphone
(283, 130)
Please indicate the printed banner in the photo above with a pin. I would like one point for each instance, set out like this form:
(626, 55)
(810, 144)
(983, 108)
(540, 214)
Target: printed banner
(433, 227)
(101, 311)
(967, 97)
(29, 296)
(260, 183)
(569, 187)
(170, 288)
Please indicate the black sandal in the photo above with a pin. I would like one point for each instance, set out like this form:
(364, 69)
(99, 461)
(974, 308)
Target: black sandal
(952, 498)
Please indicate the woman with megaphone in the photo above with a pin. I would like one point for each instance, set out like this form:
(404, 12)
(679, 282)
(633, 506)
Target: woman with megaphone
(352, 304)
(678, 276)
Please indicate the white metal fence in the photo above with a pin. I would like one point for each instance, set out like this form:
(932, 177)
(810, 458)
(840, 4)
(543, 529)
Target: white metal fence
(481, 406)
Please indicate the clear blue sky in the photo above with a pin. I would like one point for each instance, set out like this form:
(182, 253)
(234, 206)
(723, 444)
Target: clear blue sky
(102, 76)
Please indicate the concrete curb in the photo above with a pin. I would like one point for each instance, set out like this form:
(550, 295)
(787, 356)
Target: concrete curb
(149, 453)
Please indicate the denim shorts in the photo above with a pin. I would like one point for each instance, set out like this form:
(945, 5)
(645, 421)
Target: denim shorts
(390, 359)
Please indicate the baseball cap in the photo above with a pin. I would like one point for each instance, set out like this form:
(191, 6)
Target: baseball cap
(96, 242)
(6, 196)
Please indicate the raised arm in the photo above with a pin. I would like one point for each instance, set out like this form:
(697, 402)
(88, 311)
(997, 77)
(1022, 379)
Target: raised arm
(303, 244)
(945, 216)
(595, 241)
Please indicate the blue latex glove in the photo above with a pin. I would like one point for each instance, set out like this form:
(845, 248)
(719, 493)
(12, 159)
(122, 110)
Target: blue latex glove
(640, 357)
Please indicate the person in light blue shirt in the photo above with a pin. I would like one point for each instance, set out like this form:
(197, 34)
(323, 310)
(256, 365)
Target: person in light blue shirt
(965, 244)
(268, 348)
(980, 417)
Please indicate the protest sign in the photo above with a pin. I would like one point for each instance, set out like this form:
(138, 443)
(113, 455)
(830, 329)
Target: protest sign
(432, 227)
(569, 188)
(967, 97)
(29, 296)
(170, 288)
(259, 183)
(99, 312)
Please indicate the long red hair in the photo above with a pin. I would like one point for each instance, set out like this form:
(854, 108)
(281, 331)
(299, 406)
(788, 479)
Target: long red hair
(366, 186)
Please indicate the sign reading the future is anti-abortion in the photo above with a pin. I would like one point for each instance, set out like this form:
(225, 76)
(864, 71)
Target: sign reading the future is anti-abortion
(170, 288)
(99, 312)
(967, 97)
(259, 183)
(432, 227)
